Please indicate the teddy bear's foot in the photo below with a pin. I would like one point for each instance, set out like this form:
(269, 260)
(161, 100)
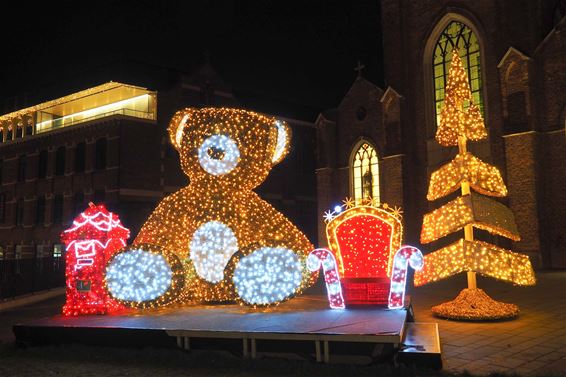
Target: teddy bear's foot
(144, 276)
(268, 276)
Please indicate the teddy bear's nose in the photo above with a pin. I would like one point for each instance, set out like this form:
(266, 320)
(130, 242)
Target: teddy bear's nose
(216, 153)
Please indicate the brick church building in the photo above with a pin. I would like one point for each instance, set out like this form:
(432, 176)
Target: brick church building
(380, 141)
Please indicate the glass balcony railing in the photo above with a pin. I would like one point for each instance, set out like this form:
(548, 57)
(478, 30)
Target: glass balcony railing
(101, 101)
(50, 125)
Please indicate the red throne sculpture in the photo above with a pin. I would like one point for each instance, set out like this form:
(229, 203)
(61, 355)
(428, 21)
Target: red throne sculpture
(370, 264)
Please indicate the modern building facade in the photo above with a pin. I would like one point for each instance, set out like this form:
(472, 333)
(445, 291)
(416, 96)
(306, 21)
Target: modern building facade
(380, 142)
(109, 144)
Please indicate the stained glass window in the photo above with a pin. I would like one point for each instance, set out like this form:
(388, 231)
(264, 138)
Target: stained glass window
(461, 36)
(365, 173)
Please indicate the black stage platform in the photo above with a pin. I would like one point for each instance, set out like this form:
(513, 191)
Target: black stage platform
(304, 325)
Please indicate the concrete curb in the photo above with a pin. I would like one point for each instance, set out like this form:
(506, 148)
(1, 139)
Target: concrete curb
(30, 299)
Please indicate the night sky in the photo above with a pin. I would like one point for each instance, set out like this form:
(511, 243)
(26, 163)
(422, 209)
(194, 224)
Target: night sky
(302, 52)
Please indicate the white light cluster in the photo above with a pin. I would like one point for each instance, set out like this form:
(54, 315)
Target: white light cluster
(211, 247)
(268, 275)
(281, 141)
(138, 275)
(223, 163)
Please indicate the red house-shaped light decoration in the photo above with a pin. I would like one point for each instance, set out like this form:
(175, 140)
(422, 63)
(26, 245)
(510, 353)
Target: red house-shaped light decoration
(96, 234)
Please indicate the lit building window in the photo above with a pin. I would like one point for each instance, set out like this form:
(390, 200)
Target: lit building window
(58, 250)
(461, 36)
(365, 173)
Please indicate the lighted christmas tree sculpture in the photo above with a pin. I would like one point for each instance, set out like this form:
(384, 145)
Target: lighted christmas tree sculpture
(461, 120)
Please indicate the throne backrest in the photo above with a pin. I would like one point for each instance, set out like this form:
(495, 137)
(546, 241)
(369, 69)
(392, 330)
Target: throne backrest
(364, 241)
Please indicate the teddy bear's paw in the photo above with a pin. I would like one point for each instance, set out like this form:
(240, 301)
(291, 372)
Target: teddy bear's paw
(268, 275)
(143, 276)
(212, 246)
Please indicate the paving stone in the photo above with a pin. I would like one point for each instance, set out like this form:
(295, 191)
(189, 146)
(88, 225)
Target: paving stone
(558, 366)
(552, 356)
(532, 368)
(507, 362)
(533, 342)
(534, 353)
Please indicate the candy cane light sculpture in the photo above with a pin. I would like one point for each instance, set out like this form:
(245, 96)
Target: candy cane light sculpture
(325, 258)
(404, 257)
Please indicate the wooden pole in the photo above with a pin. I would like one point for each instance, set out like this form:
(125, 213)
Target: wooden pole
(468, 229)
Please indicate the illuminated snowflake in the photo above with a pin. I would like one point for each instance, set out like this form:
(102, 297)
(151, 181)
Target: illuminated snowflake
(328, 215)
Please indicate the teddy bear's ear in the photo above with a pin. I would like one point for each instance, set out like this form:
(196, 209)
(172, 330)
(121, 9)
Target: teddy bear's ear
(177, 126)
(282, 142)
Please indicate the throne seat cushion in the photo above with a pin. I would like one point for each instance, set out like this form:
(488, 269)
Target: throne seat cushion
(365, 291)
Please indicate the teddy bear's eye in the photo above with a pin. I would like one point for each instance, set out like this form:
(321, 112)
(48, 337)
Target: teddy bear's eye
(218, 154)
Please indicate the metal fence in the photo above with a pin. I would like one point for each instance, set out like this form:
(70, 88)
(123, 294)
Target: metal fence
(28, 275)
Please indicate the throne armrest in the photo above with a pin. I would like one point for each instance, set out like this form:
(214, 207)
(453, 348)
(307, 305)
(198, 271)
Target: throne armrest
(404, 257)
(326, 259)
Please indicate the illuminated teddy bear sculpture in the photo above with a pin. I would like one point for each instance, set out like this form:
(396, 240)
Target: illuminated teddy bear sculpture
(216, 240)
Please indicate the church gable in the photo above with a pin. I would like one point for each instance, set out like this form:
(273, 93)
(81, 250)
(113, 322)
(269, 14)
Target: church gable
(359, 116)
(361, 91)
(514, 71)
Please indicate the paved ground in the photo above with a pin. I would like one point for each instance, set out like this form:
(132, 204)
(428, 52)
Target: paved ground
(534, 343)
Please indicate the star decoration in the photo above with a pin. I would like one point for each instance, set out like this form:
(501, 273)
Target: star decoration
(375, 202)
(328, 215)
(397, 212)
(348, 202)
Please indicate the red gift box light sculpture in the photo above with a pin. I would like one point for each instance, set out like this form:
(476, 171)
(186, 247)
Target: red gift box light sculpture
(366, 263)
(96, 235)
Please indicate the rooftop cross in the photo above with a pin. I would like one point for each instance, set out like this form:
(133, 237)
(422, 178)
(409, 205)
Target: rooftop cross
(359, 68)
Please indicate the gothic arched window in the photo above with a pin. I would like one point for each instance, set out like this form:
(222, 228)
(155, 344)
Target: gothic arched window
(365, 173)
(458, 35)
